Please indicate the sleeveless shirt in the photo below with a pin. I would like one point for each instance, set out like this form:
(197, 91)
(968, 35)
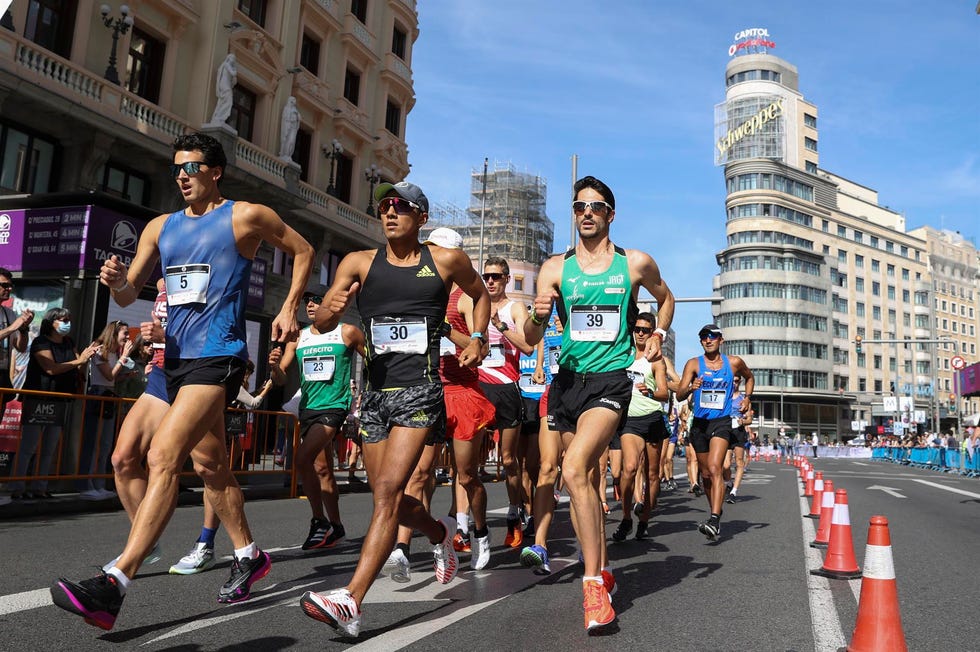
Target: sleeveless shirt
(598, 312)
(401, 309)
(502, 365)
(324, 362)
(207, 285)
(450, 370)
(713, 399)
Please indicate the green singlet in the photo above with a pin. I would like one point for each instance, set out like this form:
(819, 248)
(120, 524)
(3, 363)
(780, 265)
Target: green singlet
(598, 312)
(324, 362)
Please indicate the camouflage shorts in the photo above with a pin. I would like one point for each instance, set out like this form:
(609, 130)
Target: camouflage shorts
(420, 406)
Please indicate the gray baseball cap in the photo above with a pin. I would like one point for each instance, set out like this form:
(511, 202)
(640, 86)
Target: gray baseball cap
(405, 190)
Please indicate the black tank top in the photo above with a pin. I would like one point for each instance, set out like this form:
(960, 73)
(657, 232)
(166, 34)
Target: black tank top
(401, 309)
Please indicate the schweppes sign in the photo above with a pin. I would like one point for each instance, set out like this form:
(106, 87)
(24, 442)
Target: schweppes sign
(750, 126)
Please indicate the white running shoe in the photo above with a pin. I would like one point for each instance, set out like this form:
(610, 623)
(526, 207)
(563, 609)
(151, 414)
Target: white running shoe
(481, 552)
(397, 567)
(336, 609)
(155, 555)
(198, 560)
(445, 561)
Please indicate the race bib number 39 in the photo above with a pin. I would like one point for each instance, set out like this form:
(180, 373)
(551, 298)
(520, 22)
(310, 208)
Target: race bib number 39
(319, 368)
(187, 284)
(595, 323)
(399, 336)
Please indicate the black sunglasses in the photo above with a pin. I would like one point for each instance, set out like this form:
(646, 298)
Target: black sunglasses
(314, 298)
(642, 329)
(190, 167)
(496, 277)
(7, 286)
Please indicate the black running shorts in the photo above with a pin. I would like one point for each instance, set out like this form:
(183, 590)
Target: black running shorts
(702, 430)
(572, 394)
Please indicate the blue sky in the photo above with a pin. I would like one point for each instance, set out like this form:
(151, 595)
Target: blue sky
(631, 86)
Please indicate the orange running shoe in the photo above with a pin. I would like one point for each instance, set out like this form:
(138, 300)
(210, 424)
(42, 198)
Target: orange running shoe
(460, 542)
(598, 609)
(609, 582)
(515, 534)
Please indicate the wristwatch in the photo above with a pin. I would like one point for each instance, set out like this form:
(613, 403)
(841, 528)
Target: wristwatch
(503, 327)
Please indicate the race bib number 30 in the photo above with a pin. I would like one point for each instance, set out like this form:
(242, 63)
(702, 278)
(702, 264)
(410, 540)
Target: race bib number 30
(187, 284)
(319, 368)
(595, 323)
(399, 336)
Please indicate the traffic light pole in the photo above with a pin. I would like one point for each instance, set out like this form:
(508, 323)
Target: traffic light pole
(858, 341)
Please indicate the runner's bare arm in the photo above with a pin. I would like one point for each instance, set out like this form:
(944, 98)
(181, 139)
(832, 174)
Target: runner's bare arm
(353, 337)
(549, 281)
(125, 283)
(519, 314)
(739, 367)
(689, 380)
(346, 283)
(462, 273)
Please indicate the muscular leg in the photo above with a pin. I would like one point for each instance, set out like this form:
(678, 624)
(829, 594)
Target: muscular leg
(316, 472)
(417, 487)
(389, 464)
(692, 465)
(739, 467)
(632, 447)
(653, 479)
(511, 463)
(549, 452)
(467, 457)
(142, 420)
(530, 457)
(594, 430)
(711, 467)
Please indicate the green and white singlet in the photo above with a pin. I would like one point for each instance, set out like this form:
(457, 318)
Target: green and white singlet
(324, 362)
(598, 312)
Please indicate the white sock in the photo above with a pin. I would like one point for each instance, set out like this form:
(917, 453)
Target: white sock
(121, 580)
(251, 551)
(596, 578)
(512, 512)
(463, 522)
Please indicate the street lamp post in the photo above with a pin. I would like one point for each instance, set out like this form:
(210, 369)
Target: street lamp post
(333, 152)
(373, 176)
(119, 26)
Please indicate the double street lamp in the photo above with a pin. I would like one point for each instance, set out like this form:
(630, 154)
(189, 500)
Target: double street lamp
(333, 151)
(119, 26)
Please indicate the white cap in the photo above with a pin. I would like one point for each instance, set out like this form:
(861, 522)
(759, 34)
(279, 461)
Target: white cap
(445, 238)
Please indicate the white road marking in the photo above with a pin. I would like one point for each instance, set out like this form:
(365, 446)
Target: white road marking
(891, 491)
(861, 464)
(945, 488)
(827, 633)
(23, 601)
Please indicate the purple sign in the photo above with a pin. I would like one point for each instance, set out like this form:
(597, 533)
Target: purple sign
(968, 380)
(66, 238)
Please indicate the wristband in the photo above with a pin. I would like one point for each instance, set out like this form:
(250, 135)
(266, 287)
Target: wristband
(120, 289)
(662, 333)
(478, 336)
(535, 320)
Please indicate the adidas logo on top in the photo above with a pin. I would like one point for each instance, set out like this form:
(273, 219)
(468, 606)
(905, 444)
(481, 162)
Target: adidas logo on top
(425, 272)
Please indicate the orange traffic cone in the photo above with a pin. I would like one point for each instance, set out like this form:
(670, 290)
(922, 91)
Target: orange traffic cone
(817, 503)
(808, 488)
(769, 457)
(826, 516)
(879, 621)
(840, 564)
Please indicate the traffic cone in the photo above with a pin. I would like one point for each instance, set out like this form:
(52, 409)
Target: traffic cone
(769, 457)
(879, 621)
(817, 503)
(808, 488)
(826, 516)
(840, 563)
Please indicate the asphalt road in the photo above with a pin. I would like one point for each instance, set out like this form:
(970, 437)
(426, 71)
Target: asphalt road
(748, 591)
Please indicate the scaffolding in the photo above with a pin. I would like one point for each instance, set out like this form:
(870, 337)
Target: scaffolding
(516, 227)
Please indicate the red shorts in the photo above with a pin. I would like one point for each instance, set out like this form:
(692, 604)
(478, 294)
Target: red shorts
(468, 411)
(543, 403)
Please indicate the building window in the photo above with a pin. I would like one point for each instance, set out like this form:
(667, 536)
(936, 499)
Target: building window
(144, 67)
(875, 265)
(27, 164)
(309, 54)
(242, 116)
(51, 24)
(811, 167)
(393, 118)
(518, 284)
(345, 178)
(123, 182)
(859, 284)
(825, 227)
(398, 41)
(858, 236)
(874, 241)
(841, 231)
(876, 288)
(359, 9)
(810, 120)
(859, 260)
(810, 144)
(301, 153)
(254, 9)
(352, 86)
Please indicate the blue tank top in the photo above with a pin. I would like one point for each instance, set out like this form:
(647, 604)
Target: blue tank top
(207, 285)
(713, 399)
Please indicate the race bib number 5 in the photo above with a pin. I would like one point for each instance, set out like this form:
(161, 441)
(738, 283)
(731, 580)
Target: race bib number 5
(595, 323)
(390, 335)
(187, 284)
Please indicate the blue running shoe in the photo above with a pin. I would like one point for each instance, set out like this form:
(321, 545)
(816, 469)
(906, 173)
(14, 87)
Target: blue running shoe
(536, 558)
